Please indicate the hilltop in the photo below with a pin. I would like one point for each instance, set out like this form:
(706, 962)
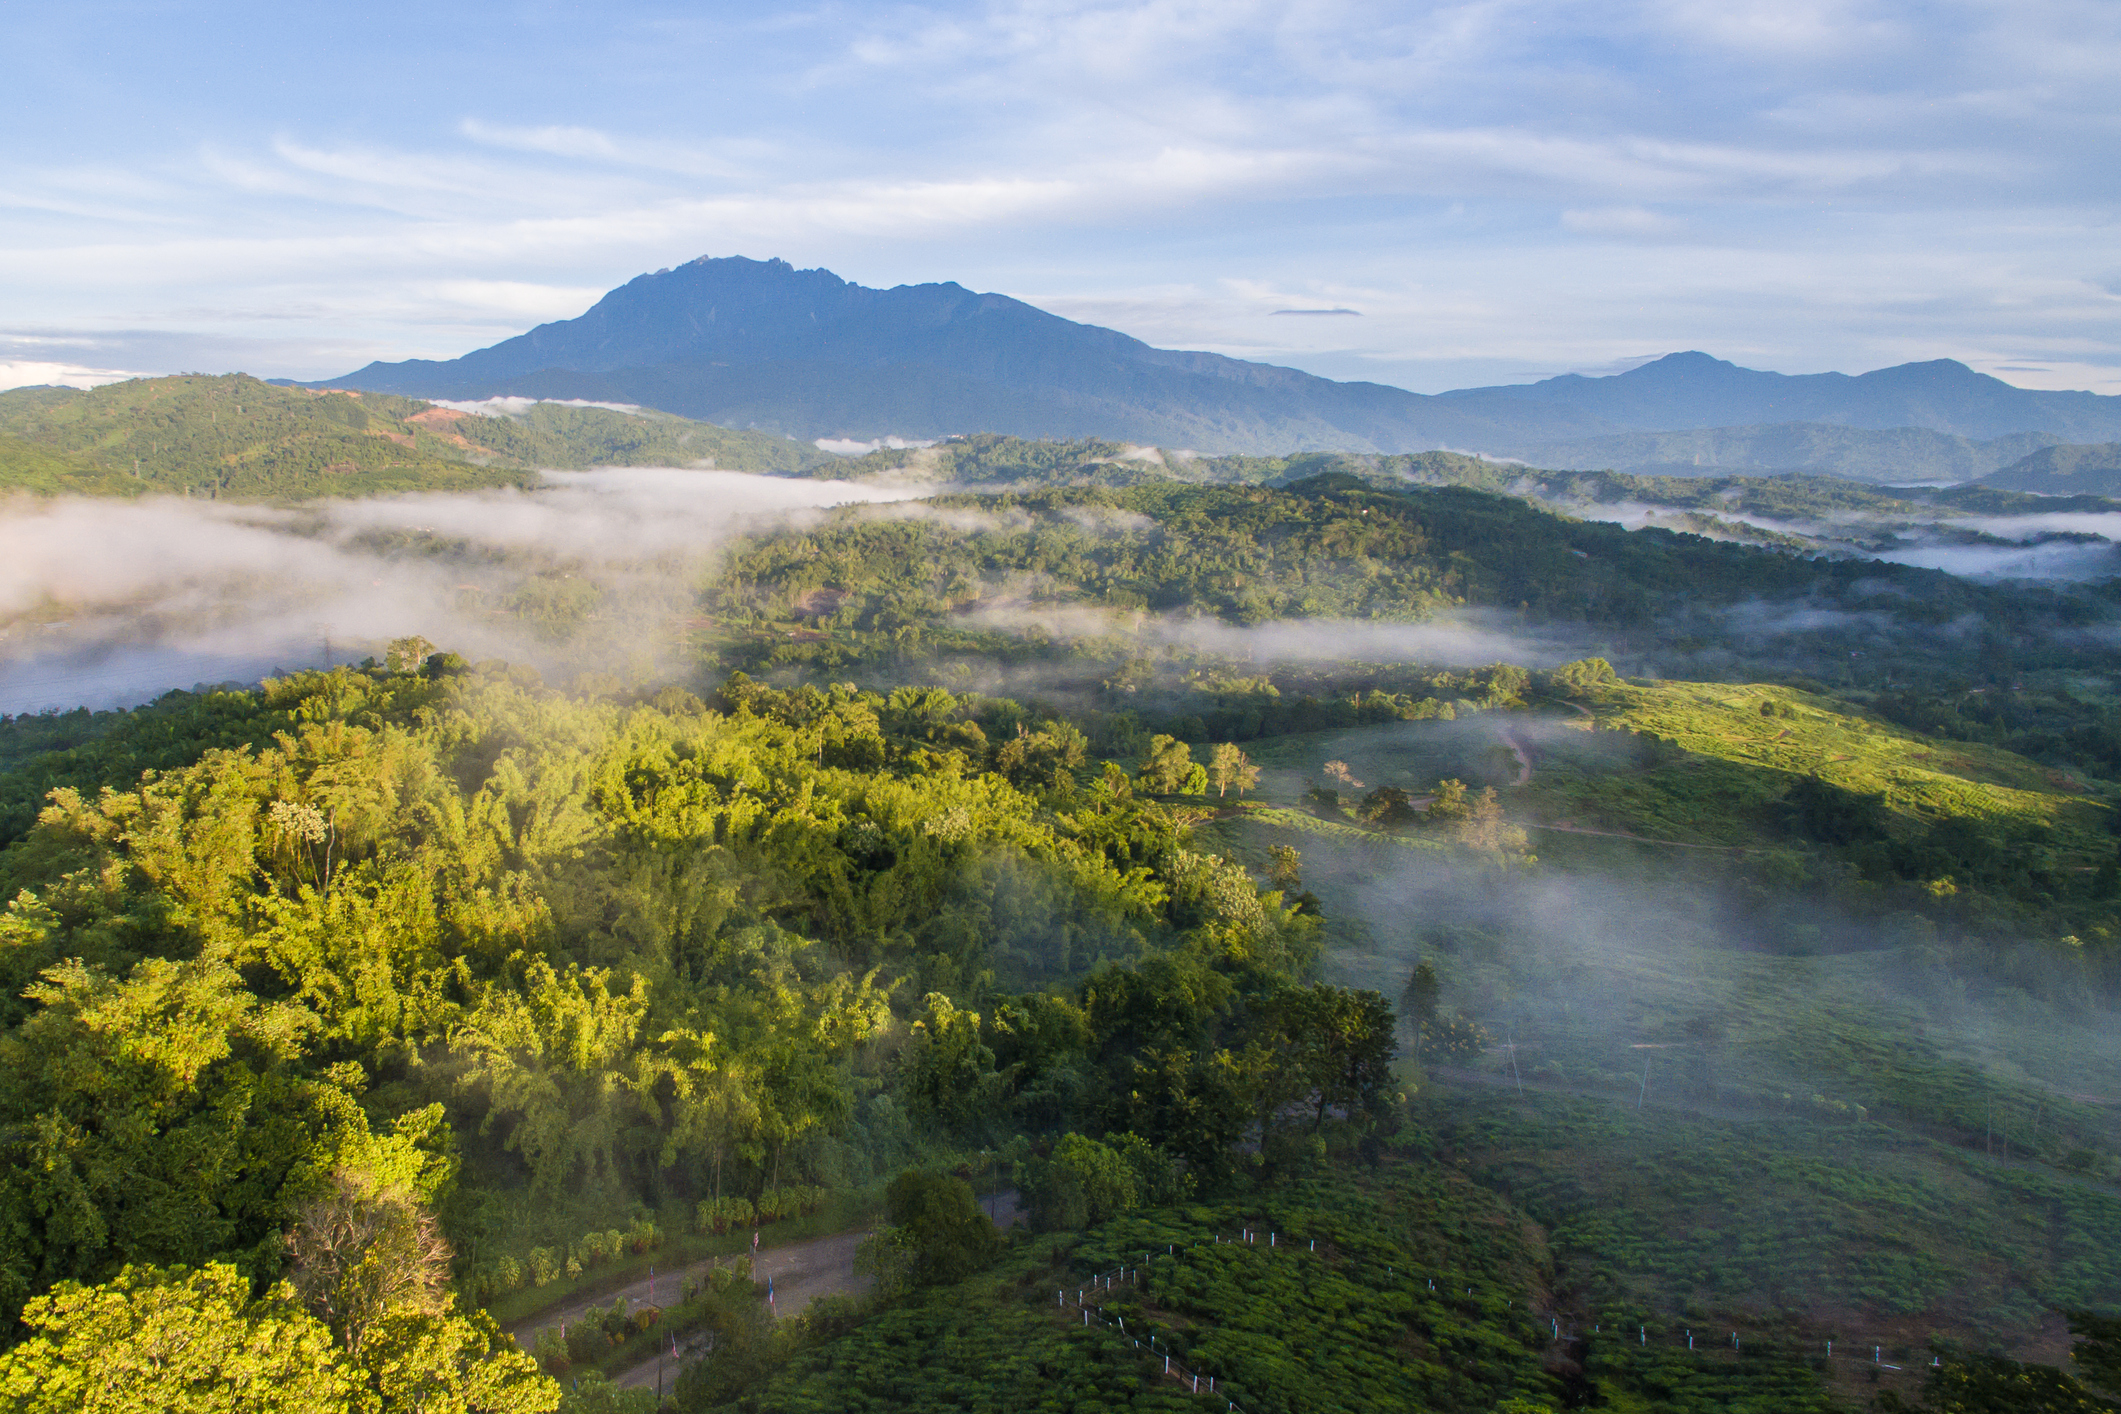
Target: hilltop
(2093, 470)
(235, 436)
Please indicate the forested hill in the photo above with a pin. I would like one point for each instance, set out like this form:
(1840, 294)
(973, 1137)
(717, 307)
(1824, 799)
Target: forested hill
(2091, 470)
(1005, 573)
(1704, 503)
(234, 436)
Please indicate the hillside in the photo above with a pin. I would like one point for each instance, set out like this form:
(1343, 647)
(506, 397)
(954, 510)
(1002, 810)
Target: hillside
(2093, 470)
(47, 471)
(237, 437)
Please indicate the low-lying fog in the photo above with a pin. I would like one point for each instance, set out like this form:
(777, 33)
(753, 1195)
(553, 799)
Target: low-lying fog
(109, 603)
(2036, 548)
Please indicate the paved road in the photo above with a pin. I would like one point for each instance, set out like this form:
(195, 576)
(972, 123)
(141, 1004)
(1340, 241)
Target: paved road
(801, 1272)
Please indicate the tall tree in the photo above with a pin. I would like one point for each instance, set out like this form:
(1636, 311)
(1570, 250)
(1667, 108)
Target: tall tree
(1228, 766)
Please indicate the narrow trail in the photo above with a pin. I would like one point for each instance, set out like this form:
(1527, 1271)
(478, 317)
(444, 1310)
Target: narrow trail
(1517, 749)
(801, 1272)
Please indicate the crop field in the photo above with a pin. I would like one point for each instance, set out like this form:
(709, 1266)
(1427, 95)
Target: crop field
(1855, 1230)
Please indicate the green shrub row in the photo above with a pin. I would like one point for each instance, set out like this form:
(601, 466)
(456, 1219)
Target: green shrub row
(720, 1215)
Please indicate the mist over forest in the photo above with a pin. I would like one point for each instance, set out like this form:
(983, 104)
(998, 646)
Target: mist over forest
(1392, 932)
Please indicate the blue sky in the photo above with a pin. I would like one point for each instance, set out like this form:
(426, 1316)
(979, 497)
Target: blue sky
(1503, 189)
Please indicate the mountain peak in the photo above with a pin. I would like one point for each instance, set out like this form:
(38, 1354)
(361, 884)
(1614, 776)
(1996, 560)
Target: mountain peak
(761, 343)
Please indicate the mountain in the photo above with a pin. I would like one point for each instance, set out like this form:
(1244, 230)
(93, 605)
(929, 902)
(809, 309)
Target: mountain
(761, 344)
(749, 343)
(234, 436)
(1693, 390)
(2093, 470)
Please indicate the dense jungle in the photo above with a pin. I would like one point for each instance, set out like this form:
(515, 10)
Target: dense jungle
(1509, 960)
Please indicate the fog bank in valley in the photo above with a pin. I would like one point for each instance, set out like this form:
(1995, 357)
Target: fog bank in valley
(107, 603)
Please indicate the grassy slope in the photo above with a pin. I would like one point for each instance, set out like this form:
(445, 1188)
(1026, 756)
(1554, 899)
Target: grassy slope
(234, 436)
(1738, 763)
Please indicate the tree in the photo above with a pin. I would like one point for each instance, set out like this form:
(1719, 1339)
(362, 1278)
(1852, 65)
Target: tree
(1168, 767)
(552, 1055)
(363, 1251)
(948, 1070)
(1340, 1043)
(1449, 803)
(1228, 766)
(1083, 1183)
(1387, 807)
(1484, 828)
(1419, 1000)
(175, 1340)
(406, 654)
(942, 1225)
(158, 1117)
(451, 1362)
(1582, 677)
(1285, 870)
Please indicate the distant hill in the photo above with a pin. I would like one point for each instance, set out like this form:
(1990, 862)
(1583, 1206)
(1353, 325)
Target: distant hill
(760, 344)
(1692, 390)
(234, 436)
(2075, 470)
(1896, 454)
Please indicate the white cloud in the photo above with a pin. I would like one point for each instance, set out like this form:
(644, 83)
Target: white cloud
(27, 373)
(1497, 184)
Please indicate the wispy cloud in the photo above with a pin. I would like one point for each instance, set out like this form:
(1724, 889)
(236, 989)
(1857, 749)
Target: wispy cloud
(1497, 186)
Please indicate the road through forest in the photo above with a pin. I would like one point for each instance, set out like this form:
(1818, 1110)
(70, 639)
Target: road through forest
(801, 1272)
